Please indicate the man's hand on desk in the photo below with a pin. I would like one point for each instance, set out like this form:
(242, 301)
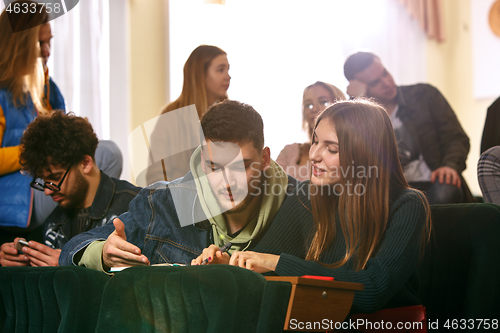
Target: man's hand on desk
(258, 262)
(211, 255)
(117, 252)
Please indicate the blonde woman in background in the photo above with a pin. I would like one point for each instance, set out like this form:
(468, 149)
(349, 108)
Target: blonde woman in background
(206, 80)
(21, 95)
(294, 158)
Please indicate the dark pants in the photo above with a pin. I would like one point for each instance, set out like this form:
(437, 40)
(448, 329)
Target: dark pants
(438, 193)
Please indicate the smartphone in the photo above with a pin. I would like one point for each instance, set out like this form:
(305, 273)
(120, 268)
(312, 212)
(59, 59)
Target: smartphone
(21, 243)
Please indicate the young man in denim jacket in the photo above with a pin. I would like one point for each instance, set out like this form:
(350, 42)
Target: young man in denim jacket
(60, 150)
(234, 192)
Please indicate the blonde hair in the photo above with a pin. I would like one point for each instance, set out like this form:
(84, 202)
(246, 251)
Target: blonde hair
(366, 139)
(21, 69)
(335, 94)
(194, 90)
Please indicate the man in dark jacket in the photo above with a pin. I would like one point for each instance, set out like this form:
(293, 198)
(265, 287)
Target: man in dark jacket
(60, 150)
(432, 144)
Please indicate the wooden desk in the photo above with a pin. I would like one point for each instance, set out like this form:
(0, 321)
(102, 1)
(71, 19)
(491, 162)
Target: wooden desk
(316, 300)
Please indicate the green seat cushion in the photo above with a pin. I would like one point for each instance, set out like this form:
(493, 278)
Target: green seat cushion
(50, 299)
(212, 298)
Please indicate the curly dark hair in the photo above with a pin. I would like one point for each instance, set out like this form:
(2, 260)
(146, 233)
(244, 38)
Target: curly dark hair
(232, 121)
(57, 140)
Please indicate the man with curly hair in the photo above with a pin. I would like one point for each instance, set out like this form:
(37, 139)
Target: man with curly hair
(58, 151)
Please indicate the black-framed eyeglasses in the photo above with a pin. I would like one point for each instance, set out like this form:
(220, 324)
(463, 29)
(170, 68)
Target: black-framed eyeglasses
(51, 186)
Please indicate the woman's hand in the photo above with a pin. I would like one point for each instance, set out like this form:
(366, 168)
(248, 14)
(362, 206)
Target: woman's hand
(212, 255)
(255, 261)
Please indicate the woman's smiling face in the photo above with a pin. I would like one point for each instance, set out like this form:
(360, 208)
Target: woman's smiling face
(324, 155)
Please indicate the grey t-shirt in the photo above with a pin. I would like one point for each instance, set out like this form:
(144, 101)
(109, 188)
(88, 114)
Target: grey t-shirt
(58, 234)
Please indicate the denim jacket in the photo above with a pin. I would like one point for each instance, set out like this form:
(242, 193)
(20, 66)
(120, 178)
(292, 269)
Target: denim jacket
(112, 199)
(153, 224)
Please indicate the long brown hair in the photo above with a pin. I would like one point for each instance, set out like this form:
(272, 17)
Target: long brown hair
(194, 90)
(369, 160)
(21, 70)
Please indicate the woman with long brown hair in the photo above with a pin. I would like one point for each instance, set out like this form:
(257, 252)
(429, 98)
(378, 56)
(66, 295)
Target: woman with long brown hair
(206, 80)
(369, 225)
(21, 94)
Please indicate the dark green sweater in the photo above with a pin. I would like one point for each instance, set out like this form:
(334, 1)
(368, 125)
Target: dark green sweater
(390, 278)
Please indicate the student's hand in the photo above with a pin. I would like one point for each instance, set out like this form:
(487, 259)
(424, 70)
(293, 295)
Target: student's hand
(255, 261)
(117, 252)
(356, 88)
(9, 256)
(446, 174)
(213, 255)
(41, 255)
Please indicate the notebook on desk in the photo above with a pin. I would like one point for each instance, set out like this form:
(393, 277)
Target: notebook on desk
(118, 269)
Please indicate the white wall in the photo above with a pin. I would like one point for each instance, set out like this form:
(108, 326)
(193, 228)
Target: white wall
(451, 69)
(277, 48)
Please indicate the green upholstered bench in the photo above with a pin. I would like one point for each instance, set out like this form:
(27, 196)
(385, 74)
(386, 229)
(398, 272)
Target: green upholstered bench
(460, 279)
(460, 270)
(196, 299)
(50, 299)
(141, 299)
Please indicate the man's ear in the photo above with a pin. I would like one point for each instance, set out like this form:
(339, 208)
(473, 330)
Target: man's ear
(88, 164)
(266, 158)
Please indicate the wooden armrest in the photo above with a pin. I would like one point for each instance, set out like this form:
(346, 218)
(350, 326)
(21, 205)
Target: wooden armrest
(317, 300)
